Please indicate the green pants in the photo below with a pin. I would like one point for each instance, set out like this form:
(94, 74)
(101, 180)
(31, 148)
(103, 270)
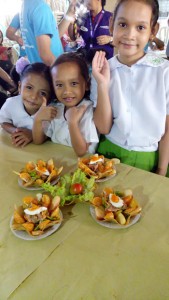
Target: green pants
(143, 160)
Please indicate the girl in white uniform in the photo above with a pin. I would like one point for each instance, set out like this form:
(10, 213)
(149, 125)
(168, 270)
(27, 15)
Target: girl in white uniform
(74, 124)
(17, 114)
(138, 90)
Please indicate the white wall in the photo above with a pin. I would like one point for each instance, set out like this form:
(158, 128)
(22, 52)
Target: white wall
(110, 5)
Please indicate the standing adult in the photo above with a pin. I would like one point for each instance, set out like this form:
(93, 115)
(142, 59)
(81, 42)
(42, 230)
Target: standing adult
(39, 32)
(94, 29)
(11, 33)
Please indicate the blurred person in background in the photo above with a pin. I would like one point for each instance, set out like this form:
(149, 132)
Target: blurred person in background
(8, 80)
(40, 33)
(5, 63)
(11, 34)
(94, 29)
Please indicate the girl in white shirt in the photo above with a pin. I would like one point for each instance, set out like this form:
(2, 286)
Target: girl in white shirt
(74, 124)
(138, 90)
(17, 114)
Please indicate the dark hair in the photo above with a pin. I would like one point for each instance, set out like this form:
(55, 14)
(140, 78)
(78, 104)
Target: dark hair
(103, 3)
(14, 75)
(76, 58)
(152, 3)
(2, 37)
(35, 68)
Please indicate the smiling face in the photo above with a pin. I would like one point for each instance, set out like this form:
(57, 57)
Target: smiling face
(69, 84)
(32, 89)
(132, 30)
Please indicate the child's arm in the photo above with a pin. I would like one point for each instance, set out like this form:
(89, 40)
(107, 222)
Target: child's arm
(73, 116)
(103, 116)
(37, 132)
(20, 136)
(8, 127)
(164, 151)
(45, 113)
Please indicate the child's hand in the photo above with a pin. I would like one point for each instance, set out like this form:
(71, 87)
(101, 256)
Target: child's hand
(46, 113)
(100, 68)
(21, 137)
(74, 114)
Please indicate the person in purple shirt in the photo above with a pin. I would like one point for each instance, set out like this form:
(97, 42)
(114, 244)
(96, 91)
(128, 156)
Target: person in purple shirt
(94, 29)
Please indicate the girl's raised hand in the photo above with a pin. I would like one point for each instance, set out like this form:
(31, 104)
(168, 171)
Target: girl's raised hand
(100, 68)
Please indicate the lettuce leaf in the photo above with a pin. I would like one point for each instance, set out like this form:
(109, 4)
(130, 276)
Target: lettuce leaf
(62, 189)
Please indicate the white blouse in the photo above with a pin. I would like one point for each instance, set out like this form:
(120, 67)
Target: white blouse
(139, 97)
(58, 129)
(13, 112)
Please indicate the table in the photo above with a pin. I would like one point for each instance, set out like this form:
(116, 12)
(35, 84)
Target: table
(83, 260)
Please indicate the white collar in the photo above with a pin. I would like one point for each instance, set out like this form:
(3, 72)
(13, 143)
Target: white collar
(149, 59)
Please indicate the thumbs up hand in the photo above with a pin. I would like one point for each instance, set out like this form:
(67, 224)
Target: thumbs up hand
(44, 101)
(46, 113)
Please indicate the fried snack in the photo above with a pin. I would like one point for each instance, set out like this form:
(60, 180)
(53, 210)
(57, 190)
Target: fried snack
(18, 218)
(43, 225)
(46, 201)
(55, 213)
(37, 214)
(29, 200)
(117, 207)
(28, 226)
(97, 166)
(37, 232)
(35, 174)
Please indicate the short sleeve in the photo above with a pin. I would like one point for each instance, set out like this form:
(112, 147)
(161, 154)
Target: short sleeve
(42, 20)
(5, 112)
(88, 129)
(15, 23)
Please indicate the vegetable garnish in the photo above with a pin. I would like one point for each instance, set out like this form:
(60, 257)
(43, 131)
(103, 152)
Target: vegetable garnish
(64, 188)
